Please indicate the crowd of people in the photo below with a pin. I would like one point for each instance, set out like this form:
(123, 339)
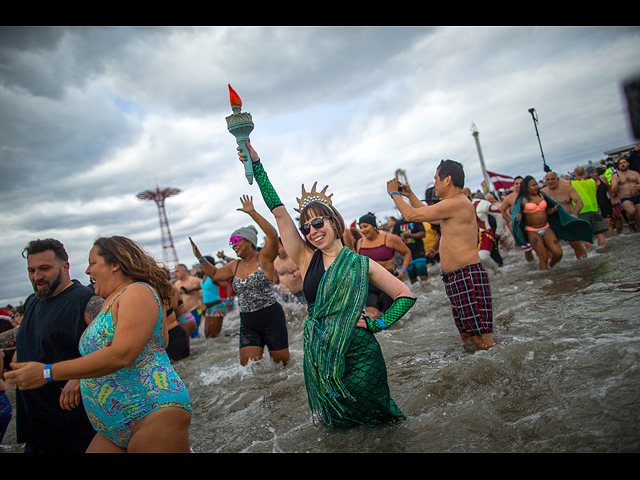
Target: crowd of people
(94, 364)
(582, 208)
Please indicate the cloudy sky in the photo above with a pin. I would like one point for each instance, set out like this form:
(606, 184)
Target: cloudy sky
(90, 117)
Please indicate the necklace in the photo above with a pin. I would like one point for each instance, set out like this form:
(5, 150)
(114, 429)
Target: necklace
(250, 260)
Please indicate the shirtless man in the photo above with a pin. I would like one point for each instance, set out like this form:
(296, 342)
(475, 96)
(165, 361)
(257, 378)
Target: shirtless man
(566, 196)
(289, 275)
(189, 288)
(626, 183)
(506, 207)
(466, 280)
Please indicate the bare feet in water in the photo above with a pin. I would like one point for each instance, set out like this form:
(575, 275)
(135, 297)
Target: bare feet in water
(484, 341)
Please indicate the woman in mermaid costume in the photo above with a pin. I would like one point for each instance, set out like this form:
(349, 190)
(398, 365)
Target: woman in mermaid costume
(344, 370)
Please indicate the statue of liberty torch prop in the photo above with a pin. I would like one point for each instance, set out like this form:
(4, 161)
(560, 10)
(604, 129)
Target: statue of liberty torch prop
(240, 125)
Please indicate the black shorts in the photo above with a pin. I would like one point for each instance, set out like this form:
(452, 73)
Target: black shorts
(267, 326)
(178, 347)
(606, 209)
(378, 299)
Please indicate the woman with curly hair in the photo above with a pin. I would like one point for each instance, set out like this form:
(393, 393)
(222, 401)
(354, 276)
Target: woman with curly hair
(133, 397)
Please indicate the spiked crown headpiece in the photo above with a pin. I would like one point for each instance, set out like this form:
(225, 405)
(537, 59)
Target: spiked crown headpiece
(313, 196)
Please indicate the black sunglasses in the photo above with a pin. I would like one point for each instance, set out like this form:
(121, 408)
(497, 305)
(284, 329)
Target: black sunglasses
(316, 223)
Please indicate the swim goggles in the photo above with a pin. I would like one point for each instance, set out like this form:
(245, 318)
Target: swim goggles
(234, 240)
(316, 223)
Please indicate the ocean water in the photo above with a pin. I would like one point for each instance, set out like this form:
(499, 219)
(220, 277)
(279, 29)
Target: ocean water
(565, 376)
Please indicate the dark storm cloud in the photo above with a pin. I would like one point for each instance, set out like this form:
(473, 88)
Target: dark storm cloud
(92, 116)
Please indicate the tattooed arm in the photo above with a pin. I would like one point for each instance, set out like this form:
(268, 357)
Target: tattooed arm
(70, 397)
(8, 338)
(93, 308)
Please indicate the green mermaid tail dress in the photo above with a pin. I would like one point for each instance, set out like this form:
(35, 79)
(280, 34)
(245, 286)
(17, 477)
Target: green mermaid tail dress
(365, 378)
(344, 370)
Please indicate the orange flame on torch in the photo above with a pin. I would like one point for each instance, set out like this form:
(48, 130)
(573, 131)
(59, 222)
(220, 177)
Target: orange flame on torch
(234, 98)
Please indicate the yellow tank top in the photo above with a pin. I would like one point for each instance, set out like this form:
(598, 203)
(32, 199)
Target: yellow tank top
(587, 191)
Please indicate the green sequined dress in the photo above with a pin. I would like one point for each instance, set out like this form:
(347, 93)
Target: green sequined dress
(345, 372)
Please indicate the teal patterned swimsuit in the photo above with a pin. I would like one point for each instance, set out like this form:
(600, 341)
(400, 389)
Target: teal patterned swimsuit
(115, 403)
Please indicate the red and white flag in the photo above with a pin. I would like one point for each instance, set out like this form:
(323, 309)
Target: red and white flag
(500, 182)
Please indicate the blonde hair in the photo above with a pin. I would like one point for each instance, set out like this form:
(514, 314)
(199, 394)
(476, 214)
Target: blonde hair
(135, 263)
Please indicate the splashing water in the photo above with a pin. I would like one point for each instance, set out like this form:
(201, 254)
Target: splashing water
(564, 377)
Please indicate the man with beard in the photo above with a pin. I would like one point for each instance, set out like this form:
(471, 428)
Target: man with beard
(52, 419)
(626, 183)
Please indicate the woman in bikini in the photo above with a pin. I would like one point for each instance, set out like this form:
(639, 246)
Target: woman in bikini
(381, 247)
(534, 210)
(262, 318)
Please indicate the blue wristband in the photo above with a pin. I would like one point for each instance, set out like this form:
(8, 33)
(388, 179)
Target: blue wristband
(203, 260)
(381, 323)
(394, 193)
(47, 373)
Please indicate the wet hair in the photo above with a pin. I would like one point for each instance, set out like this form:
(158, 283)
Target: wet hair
(136, 264)
(39, 246)
(320, 209)
(524, 186)
(453, 169)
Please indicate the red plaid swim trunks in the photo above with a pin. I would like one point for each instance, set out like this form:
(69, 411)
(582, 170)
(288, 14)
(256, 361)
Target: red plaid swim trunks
(469, 291)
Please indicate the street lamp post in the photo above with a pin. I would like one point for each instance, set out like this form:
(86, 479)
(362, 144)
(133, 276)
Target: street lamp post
(475, 133)
(532, 111)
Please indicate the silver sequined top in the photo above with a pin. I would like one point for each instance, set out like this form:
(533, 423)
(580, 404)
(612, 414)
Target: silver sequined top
(254, 292)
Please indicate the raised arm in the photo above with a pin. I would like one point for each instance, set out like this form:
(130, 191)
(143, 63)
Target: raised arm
(214, 273)
(271, 245)
(293, 243)
(405, 190)
(417, 211)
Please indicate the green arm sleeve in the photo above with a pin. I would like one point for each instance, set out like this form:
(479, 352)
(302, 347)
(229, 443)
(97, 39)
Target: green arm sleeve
(268, 192)
(401, 305)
